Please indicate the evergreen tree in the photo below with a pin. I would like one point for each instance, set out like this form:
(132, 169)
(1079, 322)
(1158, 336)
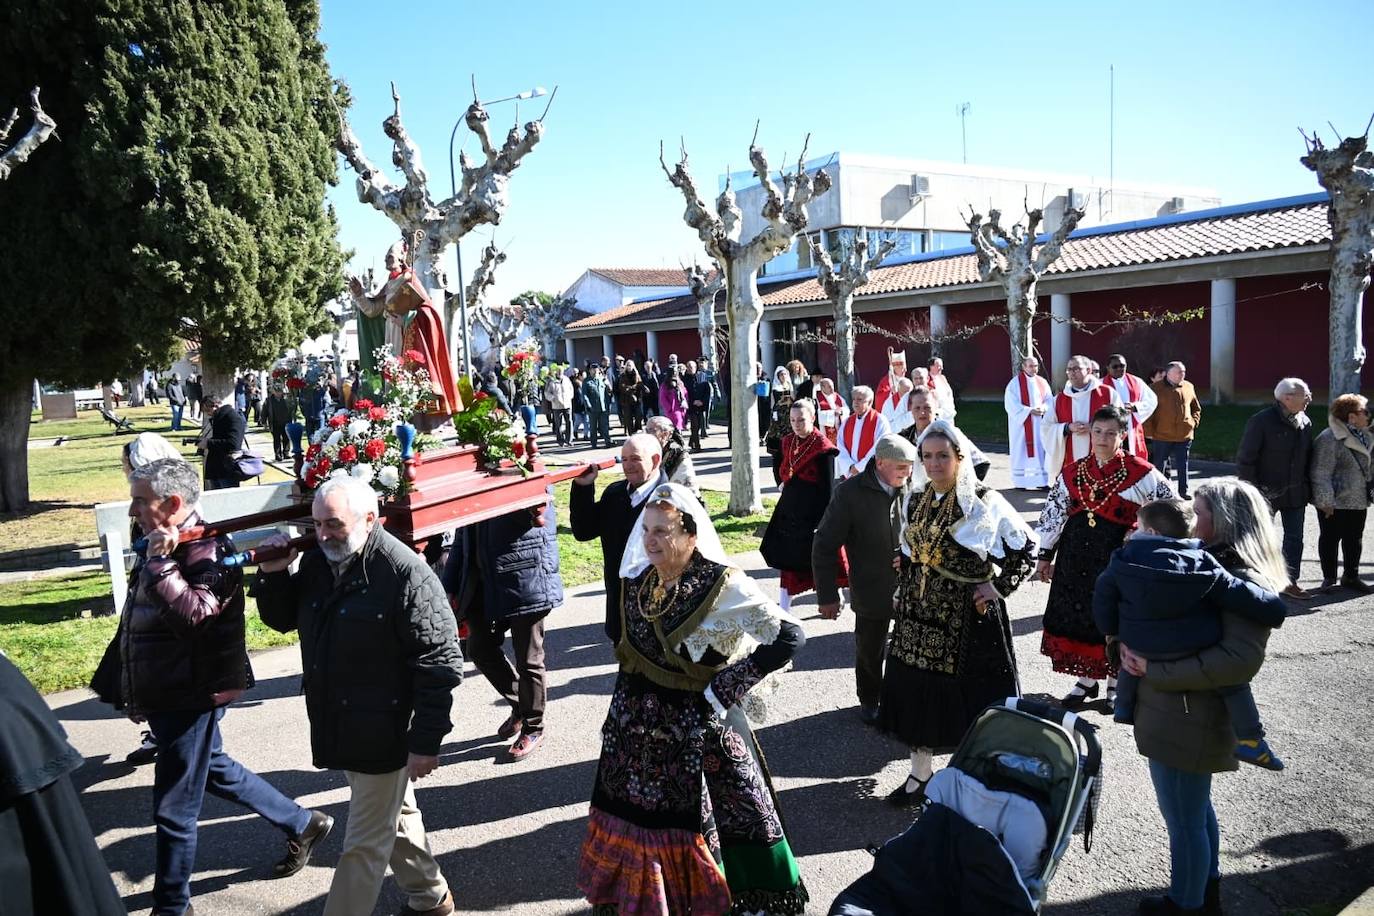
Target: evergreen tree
(184, 199)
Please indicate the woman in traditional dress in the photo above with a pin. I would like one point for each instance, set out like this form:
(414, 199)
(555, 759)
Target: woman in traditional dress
(1090, 509)
(921, 404)
(780, 422)
(683, 817)
(805, 468)
(963, 550)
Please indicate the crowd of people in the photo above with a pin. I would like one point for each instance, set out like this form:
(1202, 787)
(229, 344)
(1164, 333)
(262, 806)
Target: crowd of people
(1161, 598)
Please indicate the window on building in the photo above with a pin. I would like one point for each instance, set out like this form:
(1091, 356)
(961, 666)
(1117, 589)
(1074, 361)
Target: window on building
(946, 240)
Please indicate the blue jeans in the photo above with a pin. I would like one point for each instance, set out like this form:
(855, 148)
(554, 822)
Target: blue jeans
(1292, 539)
(529, 415)
(1178, 452)
(190, 762)
(1185, 801)
(176, 416)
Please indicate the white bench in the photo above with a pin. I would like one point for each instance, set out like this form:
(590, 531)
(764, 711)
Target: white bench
(112, 525)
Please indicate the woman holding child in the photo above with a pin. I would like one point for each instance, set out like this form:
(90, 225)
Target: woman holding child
(1090, 508)
(1182, 723)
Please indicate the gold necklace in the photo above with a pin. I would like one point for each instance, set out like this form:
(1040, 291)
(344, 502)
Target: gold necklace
(659, 598)
(925, 534)
(1095, 493)
(798, 453)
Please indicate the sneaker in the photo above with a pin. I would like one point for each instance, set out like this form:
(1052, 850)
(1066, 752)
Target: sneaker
(510, 728)
(526, 744)
(1358, 586)
(298, 848)
(1259, 753)
(146, 752)
(444, 907)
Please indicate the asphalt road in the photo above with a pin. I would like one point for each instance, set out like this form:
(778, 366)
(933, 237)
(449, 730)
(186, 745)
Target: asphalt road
(508, 835)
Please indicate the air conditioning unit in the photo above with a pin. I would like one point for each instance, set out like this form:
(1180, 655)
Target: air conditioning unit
(1076, 200)
(920, 188)
(1176, 205)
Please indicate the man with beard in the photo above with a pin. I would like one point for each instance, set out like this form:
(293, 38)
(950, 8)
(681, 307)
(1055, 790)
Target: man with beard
(379, 647)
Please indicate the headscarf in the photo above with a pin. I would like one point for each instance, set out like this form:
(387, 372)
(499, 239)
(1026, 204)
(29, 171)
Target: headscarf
(988, 522)
(636, 559)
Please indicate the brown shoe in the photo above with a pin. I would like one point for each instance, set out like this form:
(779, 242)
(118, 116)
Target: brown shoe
(510, 728)
(1296, 592)
(443, 908)
(525, 745)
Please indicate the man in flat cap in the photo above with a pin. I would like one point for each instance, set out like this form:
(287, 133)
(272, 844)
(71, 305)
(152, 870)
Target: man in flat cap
(851, 522)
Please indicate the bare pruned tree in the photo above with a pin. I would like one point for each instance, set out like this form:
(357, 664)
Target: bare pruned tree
(784, 213)
(1011, 258)
(704, 286)
(430, 225)
(42, 128)
(840, 283)
(501, 325)
(1346, 171)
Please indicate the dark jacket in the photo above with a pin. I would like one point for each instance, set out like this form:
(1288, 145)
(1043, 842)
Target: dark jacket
(863, 519)
(1164, 597)
(181, 642)
(610, 518)
(513, 560)
(1180, 719)
(596, 393)
(1274, 456)
(280, 410)
(700, 387)
(227, 429)
(175, 395)
(194, 391)
(379, 651)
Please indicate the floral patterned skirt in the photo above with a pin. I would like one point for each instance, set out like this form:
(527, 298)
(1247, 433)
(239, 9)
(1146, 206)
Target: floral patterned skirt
(683, 818)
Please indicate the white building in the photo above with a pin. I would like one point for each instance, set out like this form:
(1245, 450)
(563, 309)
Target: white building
(602, 288)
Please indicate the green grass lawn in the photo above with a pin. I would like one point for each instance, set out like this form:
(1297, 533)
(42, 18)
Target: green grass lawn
(1217, 436)
(55, 630)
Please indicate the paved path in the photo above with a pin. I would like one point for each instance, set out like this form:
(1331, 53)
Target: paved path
(508, 834)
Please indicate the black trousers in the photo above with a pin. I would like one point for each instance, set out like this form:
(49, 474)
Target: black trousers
(281, 442)
(870, 646)
(1343, 530)
(522, 684)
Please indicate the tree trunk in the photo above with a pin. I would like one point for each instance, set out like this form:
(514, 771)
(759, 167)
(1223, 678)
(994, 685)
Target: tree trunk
(1350, 263)
(16, 402)
(744, 311)
(844, 345)
(135, 391)
(706, 327)
(1020, 320)
(216, 380)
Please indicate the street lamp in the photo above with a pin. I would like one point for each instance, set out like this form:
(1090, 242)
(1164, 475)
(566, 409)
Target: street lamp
(534, 93)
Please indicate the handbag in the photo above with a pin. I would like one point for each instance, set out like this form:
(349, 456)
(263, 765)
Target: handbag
(246, 463)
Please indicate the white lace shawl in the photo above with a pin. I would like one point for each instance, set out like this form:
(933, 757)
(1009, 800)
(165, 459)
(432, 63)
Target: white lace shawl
(990, 524)
(742, 620)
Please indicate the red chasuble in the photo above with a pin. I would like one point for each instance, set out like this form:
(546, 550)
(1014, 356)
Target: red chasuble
(425, 333)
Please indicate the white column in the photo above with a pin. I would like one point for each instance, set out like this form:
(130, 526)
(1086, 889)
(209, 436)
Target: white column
(569, 356)
(766, 347)
(651, 344)
(1061, 337)
(939, 322)
(608, 347)
(1223, 341)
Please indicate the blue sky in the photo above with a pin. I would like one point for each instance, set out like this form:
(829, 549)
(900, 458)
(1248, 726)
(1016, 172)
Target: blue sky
(1207, 94)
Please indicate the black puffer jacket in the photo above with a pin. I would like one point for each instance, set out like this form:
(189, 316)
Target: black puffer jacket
(379, 651)
(227, 429)
(181, 641)
(515, 561)
(1274, 456)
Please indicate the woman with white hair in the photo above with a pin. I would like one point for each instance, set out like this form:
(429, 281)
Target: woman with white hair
(963, 550)
(1274, 454)
(683, 815)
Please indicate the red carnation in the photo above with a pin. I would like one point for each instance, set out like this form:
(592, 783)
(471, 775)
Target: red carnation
(338, 420)
(376, 414)
(374, 449)
(312, 478)
(323, 465)
(518, 448)
(362, 404)
(295, 384)
(348, 454)
(415, 356)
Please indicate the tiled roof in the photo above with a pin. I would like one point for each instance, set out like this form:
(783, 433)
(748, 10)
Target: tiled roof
(642, 276)
(1256, 227)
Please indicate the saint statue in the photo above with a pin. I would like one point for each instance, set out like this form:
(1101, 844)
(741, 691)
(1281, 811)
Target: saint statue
(376, 326)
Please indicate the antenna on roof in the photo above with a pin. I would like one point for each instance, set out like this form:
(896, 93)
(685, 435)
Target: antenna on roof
(962, 110)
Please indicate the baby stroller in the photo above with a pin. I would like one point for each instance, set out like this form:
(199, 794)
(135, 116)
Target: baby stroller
(1024, 780)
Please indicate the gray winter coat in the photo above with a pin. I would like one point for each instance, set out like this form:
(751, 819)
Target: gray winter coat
(1341, 469)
